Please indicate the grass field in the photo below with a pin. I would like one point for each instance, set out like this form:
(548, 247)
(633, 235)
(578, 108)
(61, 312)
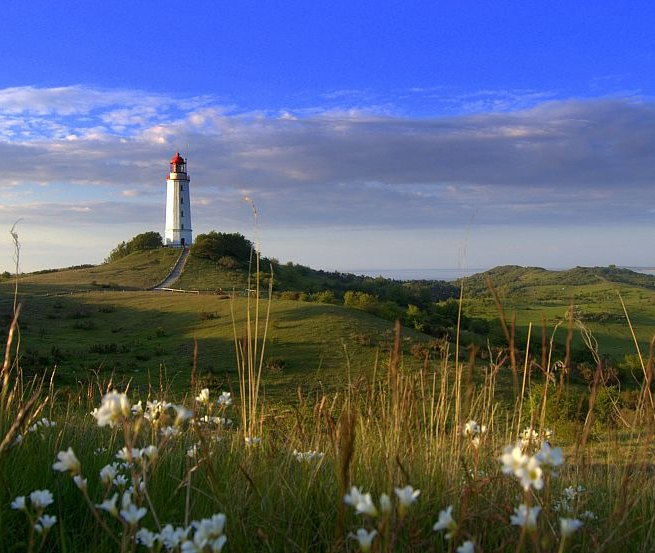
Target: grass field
(342, 403)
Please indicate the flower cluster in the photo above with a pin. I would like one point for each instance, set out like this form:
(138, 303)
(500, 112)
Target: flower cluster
(364, 505)
(199, 536)
(39, 500)
(39, 426)
(474, 432)
(530, 469)
(308, 455)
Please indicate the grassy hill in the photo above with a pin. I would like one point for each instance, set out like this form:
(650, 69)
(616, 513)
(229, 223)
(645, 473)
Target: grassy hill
(135, 335)
(537, 295)
(136, 271)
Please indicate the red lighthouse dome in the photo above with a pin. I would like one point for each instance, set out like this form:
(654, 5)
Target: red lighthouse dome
(178, 164)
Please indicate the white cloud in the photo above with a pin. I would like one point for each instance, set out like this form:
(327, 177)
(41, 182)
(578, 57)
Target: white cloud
(550, 163)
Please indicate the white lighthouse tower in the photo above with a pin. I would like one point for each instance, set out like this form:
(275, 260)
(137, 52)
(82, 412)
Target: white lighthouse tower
(178, 206)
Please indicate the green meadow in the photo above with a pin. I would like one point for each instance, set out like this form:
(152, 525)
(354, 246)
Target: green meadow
(244, 423)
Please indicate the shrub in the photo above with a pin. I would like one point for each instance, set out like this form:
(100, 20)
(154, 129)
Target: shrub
(228, 262)
(84, 324)
(146, 241)
(218, 245)
(326, 296)
(275, 365)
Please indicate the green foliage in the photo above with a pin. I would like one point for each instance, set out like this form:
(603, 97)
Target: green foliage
(150, 240)
(219, 245)
(326, 296)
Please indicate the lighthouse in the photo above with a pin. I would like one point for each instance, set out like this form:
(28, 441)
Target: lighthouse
(178, 206)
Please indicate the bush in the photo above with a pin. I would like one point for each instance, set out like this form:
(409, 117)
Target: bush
(218, 245)
(228, 262)
(275, 365)
(146, 241)
(326, 296)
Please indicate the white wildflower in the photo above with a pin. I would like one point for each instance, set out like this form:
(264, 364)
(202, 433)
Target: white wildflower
(406, 497)
(40, 499)
(531, 476)
(550, 457)
(114, 407)
(525, 516)
(203, 397)
(182, 414)
(513, 459)
(467, 547)
(169, 431)
(146, 538)
(446, 522)
(364, 538)
(109, 505)
(19, 503)
(363, 503)
(80, 482)
(67, 462)
(133, 514)
(224, 399)
(173, 537)
(108, 473)
(568, 526)
(44, 523)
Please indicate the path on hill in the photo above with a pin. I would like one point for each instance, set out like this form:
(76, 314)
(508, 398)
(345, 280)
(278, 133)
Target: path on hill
(175, 273)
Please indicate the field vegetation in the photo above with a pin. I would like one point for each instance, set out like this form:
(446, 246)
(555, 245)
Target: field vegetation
(257, 420)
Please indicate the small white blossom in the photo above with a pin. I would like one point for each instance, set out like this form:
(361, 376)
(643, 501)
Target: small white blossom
(525, 517)
(467, 547)
(120, 480)
(133, 514)
(182, 414)
(67, 462)
(513, 459)
(108, 473)
(80, 482)
(363, 503)
(109, 505)
(146, 538)
(172, 537)
(114, 407)
(406, 497)
(252, 441)
(203, 396)
(532, 475)
(169, 431)
(446, 522)
(44, 523)
(224, 399)
(19, 503)
(40, 499)
(550, 457)
(568, 526)
(364, 538)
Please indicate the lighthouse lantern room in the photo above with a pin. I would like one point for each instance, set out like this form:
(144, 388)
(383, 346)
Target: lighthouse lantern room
(178, 232)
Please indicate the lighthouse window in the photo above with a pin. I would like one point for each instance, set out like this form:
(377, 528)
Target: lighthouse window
(182, 226)
(181, 200)
(181, 213)
(181, 187)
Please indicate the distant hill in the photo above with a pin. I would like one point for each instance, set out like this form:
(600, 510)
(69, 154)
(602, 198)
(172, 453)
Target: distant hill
(536, 295)
(513, 278)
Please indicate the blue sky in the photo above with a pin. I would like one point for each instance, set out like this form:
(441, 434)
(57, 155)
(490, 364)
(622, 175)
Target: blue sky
(371, 135)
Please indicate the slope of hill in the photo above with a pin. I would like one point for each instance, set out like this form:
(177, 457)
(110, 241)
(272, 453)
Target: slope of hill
(136, 271)
(536, 295)
(135, 335)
